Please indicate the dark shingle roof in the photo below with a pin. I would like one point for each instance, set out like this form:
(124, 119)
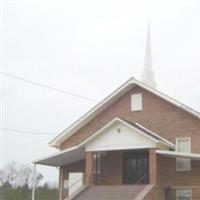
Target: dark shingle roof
(146, 130)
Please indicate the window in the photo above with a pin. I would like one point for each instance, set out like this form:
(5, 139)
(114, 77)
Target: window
(136, 102)
(184, 194)
(183, 145)
(96, 163)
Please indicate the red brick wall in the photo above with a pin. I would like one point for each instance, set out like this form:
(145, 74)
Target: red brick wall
(195, 194)
(157, 193)
(157, 115)
(111, 171)
(74, 167)
(152, 166)
(167, 174)
(78, 166)
(88, 167)
(111, 168)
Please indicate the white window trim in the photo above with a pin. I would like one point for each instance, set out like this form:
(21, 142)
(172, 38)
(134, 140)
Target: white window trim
(178, 159)
(132, 106)
(183, 138)
(183, 170)
(97, 165)
(183, 190)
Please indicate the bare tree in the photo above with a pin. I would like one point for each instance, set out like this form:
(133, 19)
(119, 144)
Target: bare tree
(18, 175)
(2, 177)
(25, 175)
(10, 173)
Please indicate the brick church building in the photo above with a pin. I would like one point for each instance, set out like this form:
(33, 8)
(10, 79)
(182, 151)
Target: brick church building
(136, 144)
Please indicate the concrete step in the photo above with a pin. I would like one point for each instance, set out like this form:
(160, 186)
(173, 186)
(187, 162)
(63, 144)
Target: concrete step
(116, 192)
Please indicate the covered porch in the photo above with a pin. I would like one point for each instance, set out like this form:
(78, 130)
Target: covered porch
(79, 169)
(123, 167)
(120, 153)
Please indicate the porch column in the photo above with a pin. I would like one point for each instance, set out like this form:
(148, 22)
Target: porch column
(34, 181)
(152, 166)
(88, 168)
(60, 191)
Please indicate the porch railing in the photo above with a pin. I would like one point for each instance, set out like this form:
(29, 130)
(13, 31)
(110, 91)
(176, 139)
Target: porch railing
(142, 179)
(99, 179)
(66, 194)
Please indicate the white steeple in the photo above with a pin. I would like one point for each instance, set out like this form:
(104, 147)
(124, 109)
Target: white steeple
(148, 76)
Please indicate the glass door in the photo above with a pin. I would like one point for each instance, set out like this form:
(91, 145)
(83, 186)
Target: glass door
(135, 167)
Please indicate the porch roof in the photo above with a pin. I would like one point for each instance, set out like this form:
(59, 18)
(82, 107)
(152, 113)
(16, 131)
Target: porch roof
(103, 105)
(175, 154)
(62, 158)
(77, 153)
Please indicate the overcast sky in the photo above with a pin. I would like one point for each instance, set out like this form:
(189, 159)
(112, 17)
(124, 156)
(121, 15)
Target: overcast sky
(88, 47)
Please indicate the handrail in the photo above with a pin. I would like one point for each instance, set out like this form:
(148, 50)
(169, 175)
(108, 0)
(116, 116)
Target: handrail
(142, 178)
(104, 178)
(66, 190)
(137, 182)
(70, 186)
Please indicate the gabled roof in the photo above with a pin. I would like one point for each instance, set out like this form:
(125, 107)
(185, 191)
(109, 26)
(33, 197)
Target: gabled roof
(77, 153)
(150, 133)
(105, 103)
(62, 158)
(135, 127)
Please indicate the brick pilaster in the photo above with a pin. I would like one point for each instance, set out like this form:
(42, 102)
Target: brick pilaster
(88, 168)
(152, 166)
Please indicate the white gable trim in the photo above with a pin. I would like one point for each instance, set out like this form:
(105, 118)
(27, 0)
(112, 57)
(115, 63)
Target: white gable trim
(120, 136)
(77, 152)
(156, 135)
(109, 124)
(125, 147)
(107, 102)
(115, 120)
(91, 113)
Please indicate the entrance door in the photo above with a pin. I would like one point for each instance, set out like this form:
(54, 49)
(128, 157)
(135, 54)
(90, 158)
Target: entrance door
(135, 167)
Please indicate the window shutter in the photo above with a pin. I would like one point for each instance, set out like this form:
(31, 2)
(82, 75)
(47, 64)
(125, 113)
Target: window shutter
(136, 102)
(183, 146)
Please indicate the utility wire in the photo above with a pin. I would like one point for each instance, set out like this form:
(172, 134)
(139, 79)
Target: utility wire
(47, 86)
(25, 144)
(27, 132)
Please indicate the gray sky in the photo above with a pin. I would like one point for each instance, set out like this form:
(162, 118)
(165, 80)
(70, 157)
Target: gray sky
(88, 47)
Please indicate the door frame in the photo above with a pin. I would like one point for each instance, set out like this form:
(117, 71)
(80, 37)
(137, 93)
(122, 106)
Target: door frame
(134, 154)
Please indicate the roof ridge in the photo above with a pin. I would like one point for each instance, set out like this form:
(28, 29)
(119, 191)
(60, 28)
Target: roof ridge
(141, 127)
(106, 102)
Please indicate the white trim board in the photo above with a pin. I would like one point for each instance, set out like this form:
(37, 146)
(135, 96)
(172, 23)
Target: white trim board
(63, 157)
(184, 138)
(78, 152)
(105, 103)
(116, 120)
(176, 154)
(127, 138)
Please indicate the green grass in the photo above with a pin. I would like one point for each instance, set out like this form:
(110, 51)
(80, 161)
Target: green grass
(23, 193)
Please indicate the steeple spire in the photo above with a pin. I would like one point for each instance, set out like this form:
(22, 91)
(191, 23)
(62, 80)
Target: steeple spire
(148, 76)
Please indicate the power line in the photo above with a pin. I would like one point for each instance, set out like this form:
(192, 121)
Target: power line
(27, 132)
(47, 86)
(25, 144)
